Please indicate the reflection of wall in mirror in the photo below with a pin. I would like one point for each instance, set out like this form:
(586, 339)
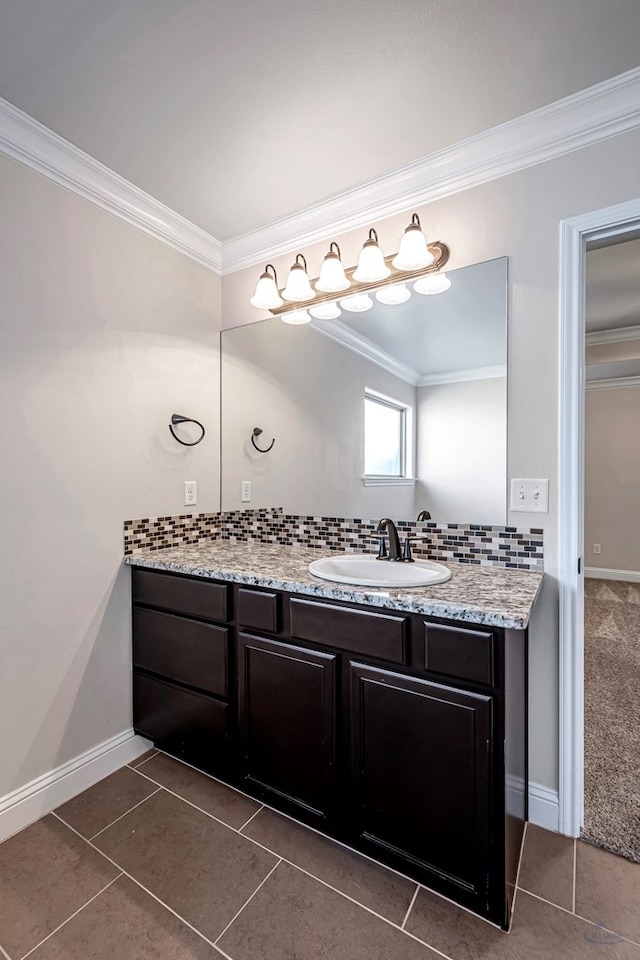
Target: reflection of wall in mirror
(307, 391)
(462, 459)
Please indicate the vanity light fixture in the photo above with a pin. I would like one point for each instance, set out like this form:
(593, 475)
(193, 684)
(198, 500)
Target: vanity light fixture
(298, 288)
(371, 265)
(436, 283)
(325, 311)
(357, 303)
(296, 318)
(266, 296)
(332, 277)
(414, 254)
(387, 277)
(395, 293)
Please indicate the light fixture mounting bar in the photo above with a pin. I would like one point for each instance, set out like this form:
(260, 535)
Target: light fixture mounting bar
(439, 250)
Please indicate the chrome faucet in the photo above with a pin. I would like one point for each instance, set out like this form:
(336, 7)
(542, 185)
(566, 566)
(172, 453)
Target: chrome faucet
(394, 541)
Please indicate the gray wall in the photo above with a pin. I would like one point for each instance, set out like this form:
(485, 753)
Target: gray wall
(462, 455)
(516, 216)
(104, 333)
(612, 478)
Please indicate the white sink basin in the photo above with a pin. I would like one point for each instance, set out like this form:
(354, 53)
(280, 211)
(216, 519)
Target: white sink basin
(365, 570)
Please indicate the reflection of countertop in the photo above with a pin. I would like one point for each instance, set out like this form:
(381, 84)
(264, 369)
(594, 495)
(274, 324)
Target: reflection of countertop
(498, 596)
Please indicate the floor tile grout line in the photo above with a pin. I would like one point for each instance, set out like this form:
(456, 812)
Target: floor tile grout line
(4, 953)
(516, 882)
(593, 923)
(575, 867)
(142, 762)
(203, 773)
(273, 854)
(319, 879)
(259, 887)
(130, 876)
(65, 922)
(246, 824)
(134, 807)
(410, 907)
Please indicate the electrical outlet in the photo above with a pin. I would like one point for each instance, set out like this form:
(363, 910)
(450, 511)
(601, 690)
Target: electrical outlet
(597, 548)
(190, 493)
(245, 491)
(529, 496)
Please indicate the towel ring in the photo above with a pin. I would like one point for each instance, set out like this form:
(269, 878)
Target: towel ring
(177, 418)
(256, 433)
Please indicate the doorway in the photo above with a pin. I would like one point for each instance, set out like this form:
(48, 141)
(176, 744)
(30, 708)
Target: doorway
(598, 228)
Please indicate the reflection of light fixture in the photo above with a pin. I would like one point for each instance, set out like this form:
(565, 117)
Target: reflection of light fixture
(414, 254)
(435, 283)
(296, 317)
(396, 293)
(332, 277)
(325, 311)
(298, 288)
(266, 296)
(371, 265)
(357, 303)
(385, 276)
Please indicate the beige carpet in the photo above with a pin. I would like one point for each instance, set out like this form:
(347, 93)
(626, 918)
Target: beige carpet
(612, 716)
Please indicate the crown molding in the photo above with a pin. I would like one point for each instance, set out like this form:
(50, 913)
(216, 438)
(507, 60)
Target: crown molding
(341, 333)
(617, 335)
(492, 372)
(594, 114)
(613, 383)
(29, 142)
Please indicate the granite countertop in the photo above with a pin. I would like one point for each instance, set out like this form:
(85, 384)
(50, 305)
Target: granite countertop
(496, 596)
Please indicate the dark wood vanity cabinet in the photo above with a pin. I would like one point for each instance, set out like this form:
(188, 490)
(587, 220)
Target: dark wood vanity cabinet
(384, 729)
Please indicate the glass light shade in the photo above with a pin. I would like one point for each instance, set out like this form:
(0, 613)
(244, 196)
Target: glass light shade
(332, 277)
(414, 253)
(395, 293)
(436, 283)
(266, 296)
(296, 318)
(325, 311)
(298, 288)
(358, 303)
(371, 265)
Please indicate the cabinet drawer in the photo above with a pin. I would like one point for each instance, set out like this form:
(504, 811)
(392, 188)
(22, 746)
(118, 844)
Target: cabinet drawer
(178, 720)
(359, 631)
(193, 597)
(188, 651)
(456, 652)
(258, 609)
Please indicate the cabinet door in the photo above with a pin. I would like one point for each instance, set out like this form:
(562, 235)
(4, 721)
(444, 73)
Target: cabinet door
(286, 702)
(421, 777)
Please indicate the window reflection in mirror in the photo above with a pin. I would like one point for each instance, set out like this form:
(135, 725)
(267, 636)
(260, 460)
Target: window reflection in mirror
(442, 357)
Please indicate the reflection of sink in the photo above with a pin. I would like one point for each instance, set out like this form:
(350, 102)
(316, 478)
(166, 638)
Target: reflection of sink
(366, 570)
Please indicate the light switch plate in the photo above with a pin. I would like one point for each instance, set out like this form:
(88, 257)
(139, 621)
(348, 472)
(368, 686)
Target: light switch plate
(529, 496)
(245, 491)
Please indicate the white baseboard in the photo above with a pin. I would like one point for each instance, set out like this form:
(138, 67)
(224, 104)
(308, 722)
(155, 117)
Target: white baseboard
(544, 807)
(21, 807)
(602, 573)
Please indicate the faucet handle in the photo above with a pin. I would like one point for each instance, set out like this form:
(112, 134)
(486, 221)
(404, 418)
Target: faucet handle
(406, 550)
(382, 550)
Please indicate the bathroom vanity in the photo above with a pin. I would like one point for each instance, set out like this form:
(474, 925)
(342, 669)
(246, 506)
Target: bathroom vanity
(393, 721)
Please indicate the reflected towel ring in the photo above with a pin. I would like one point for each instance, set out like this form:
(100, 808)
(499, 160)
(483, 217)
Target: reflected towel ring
(177, 418)
(256, 433)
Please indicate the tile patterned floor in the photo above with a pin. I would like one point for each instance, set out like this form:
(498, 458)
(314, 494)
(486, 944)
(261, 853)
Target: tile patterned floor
(159, 862)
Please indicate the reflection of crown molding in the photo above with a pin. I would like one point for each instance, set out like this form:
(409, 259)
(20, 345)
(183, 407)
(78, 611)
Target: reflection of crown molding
(617, 335)
(612, 383)
(577, 121)
(461, 376)
(343, 334)
(29, 142)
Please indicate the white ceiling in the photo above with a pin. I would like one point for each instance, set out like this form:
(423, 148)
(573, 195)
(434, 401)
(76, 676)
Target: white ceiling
(236, 114)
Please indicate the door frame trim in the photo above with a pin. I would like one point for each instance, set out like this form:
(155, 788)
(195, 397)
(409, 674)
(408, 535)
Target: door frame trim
(575, 233)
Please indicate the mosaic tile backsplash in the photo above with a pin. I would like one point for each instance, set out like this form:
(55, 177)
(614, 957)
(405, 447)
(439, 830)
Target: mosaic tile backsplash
(462, 543)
